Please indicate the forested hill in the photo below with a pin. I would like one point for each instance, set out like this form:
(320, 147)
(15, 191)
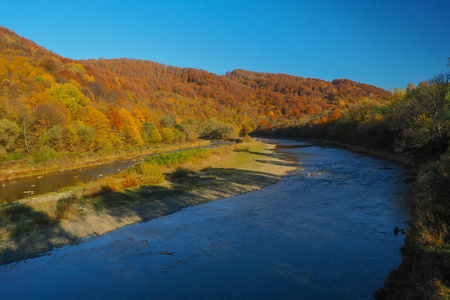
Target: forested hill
(122, 100)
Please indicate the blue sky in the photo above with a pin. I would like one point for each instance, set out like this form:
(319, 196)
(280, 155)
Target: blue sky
(384, 43)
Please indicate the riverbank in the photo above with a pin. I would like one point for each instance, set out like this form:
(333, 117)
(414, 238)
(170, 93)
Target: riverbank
(231, 171)
(425, 269)
(69, 161)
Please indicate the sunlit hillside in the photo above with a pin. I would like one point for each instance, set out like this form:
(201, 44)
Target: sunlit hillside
(59, 104)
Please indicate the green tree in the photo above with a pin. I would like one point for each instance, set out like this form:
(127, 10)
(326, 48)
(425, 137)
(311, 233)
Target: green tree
(53, 137)
(154, 137)
(148, 127)
(9, 133)
(87, 136)
(168, 121)
(214, 129)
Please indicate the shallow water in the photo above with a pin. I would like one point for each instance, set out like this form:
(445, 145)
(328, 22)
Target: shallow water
(15, 189)
(327, 236)
(18, 188)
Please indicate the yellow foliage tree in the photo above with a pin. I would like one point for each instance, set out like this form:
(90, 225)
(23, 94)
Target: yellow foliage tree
(139, 117)
(167, 135)
(37, 98)
(130, 129)
(69, 94)
(94, 118)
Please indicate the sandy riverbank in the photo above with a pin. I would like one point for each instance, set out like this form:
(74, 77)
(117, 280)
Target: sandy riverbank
(264, 167)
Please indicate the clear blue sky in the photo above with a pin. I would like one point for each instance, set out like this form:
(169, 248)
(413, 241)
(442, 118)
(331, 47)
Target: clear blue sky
(384, 43)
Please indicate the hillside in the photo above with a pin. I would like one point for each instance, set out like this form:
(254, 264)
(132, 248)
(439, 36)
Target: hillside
(58, 104)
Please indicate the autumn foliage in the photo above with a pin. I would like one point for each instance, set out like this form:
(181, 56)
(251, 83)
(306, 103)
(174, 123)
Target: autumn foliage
(105, 105)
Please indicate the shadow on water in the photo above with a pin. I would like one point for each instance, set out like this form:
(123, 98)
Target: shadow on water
(36, 233)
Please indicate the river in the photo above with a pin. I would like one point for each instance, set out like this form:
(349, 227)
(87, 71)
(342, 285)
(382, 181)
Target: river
(325, 231)
(12, 190)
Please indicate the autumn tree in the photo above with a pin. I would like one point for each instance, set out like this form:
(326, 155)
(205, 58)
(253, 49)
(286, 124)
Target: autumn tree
(114, 117)
(138, 117)
(130, 129)
(410, 87)
(48, 63)
(167, 135)
(24, 119)
(214, 129)
(335, 115)
(92, 117)
(49, 114)
(68, 94)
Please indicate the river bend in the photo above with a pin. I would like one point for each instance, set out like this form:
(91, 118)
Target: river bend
(325, 231)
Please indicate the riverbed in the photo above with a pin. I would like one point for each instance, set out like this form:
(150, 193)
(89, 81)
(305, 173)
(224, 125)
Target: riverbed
(325, 231)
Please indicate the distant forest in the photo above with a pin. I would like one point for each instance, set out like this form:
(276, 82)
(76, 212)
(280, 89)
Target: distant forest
(50, 103)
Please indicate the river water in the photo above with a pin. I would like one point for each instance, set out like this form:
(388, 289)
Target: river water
(25, 187)
(326, 235)
(15, 189)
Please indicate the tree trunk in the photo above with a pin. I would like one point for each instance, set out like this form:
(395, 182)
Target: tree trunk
(25, 136)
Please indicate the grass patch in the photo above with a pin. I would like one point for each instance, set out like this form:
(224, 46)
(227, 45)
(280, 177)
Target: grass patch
(175, 159)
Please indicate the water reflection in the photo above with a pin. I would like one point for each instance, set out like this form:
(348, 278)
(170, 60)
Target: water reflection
(18, 188)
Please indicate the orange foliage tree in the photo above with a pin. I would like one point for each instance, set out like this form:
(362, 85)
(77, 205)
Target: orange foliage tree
(114, 117)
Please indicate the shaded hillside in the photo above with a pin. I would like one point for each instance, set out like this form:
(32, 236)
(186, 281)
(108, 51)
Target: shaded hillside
(51, 102)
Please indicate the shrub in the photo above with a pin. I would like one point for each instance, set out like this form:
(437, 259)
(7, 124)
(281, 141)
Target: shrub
(130, 181)
(65, 209)
(105, 147)
(214, 129)
(44, 153)
(148, 173)
(153, 176)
